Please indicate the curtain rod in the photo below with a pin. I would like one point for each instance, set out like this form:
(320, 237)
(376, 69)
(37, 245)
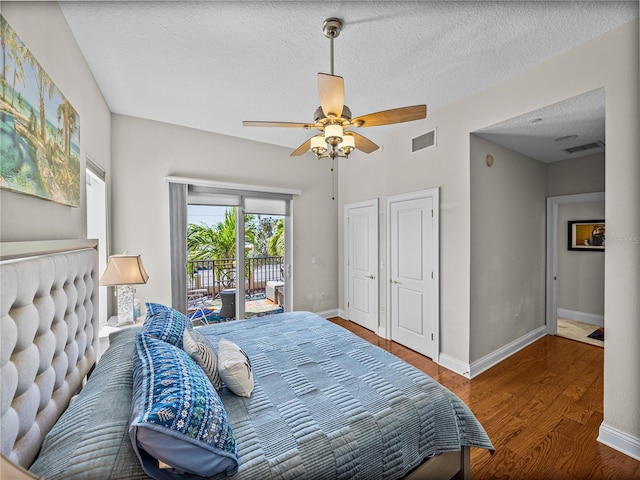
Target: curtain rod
(231, 186)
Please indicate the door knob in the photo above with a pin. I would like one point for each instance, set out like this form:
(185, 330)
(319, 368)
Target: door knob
(394, 281)
(372, 277)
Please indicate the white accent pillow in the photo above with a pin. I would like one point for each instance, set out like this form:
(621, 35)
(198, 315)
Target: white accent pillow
(235, 368)
(200, 349)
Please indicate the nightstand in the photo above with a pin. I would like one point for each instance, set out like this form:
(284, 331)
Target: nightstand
(110, 327)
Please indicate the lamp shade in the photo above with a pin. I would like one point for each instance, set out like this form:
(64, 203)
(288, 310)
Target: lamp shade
(318, 145)
(333, 134)
(124, 270)
(348, 141)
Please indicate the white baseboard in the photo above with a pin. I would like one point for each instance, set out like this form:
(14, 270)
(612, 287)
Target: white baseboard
(509, 349)
(342, 313)
(454, 365)
(623, 442)
(329, 313)
(488, 361)
(590, 318)
(382, 332)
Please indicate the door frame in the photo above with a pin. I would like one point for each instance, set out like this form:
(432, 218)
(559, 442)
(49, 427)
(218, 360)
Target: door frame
(178, 201)
(93, 171)
(348, 206)
(434, 193)
(553, 205)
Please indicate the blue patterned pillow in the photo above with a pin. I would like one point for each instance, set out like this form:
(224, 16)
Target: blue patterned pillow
(177, 417)
(155, 308)
(165, 323)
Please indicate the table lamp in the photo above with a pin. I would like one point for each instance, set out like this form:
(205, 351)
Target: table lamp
(124, 271)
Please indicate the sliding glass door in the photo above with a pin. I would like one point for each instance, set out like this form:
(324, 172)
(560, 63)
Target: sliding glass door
(214, 272)
(235, 259)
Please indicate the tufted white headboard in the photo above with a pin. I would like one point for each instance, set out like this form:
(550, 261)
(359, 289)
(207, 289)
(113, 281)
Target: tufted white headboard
(48, 336)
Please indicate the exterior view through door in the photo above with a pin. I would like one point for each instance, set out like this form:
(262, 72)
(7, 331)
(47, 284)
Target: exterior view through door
(214, 273)
(412, 293)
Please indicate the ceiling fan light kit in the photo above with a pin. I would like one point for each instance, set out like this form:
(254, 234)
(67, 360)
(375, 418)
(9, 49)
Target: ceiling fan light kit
(333, 117)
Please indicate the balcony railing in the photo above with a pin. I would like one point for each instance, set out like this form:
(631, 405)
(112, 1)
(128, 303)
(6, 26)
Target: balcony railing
(218, 274)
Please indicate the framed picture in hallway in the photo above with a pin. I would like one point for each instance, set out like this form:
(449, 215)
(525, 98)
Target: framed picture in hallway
(586, 235)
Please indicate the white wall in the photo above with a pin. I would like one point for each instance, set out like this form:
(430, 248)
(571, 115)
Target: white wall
(609, 61)
(43, 29)
(507, 247)
(580, 273)
(395, 170)
(145, 152)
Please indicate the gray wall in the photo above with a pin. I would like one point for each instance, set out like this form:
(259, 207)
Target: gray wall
(507, 246)
(43, 29)
(145, 152)
(579, 175)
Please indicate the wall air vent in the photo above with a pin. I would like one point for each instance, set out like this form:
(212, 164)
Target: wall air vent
(423, 141)
(586, 146)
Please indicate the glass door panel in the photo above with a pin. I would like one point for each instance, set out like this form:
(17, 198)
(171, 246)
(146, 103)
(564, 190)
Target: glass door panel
(217, 279)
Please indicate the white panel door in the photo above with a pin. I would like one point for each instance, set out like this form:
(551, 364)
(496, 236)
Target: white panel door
(413, 289)
(362, 262)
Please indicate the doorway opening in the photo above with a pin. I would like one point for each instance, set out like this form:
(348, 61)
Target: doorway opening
(96, 192)
(575, 279)
(567, 140)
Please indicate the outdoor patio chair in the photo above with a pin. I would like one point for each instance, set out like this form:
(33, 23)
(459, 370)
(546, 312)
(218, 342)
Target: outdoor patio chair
(196, 301)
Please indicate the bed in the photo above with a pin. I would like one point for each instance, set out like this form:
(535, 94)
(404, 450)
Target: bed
(323, 404)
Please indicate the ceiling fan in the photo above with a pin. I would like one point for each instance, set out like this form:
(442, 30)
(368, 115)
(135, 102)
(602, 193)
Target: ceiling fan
(333, 117)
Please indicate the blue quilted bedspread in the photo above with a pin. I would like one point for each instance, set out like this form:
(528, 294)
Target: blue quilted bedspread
(325, 405)
(326, 401)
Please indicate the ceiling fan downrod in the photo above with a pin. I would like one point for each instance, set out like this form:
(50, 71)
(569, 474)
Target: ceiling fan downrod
(331, 28)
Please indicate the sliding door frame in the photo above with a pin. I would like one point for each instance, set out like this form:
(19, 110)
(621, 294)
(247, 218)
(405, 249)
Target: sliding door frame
(179, 199)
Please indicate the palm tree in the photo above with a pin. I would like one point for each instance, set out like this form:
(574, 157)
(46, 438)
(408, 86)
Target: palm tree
(45, 87)
(218, 242)
(5, 32)
(276, 242)
(12, 46)
(69, 118)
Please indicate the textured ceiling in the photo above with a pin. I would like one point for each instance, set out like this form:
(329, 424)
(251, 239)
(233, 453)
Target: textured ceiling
(210, 65)
(547, 133)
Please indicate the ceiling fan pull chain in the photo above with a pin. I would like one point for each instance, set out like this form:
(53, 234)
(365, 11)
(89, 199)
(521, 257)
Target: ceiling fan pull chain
(333, 178)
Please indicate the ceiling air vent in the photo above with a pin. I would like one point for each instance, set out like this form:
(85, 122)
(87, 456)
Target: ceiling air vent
(425, 140)
(586, 146)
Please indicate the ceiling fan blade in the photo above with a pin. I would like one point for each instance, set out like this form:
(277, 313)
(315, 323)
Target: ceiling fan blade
(363, 143)
(277, 124)
(331, 92)
(395, 115)
(304, 148)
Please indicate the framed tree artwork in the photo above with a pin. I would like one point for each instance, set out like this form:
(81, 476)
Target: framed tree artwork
(39, 128)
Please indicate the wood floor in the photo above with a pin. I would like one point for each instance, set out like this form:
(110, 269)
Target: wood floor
(542, 409)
